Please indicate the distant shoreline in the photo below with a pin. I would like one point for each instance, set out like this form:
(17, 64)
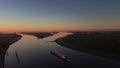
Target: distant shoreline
(39, 35)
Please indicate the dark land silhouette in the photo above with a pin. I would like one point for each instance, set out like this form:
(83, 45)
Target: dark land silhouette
(106, 44)
(5, 41)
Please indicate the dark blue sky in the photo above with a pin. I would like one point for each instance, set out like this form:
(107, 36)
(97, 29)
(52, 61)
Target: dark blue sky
(88, 14)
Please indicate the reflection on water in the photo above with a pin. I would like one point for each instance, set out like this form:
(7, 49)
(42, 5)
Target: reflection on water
(29, 52)
(17, 57)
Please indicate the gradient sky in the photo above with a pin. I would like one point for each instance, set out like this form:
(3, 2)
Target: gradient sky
(59, 15)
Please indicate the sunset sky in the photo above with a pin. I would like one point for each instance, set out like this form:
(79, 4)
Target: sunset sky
(59, 15)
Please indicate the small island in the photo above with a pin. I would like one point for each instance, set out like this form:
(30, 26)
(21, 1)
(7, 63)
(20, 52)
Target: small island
(39, 34)
(106, 44)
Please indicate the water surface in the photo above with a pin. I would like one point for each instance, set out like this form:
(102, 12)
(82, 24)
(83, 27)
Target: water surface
(31, 52)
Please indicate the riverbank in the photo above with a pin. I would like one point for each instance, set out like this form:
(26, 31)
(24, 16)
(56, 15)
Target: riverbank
(7, 39)
(100, 44)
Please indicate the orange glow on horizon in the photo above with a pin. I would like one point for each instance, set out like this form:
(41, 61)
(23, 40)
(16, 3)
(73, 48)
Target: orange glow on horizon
(48, 28)
(45, 29)
(45, 26)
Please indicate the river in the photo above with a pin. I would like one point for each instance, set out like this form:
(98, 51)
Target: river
(31, 52)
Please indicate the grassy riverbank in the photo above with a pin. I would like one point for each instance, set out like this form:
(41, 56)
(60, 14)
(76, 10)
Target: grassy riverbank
(106, 44)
